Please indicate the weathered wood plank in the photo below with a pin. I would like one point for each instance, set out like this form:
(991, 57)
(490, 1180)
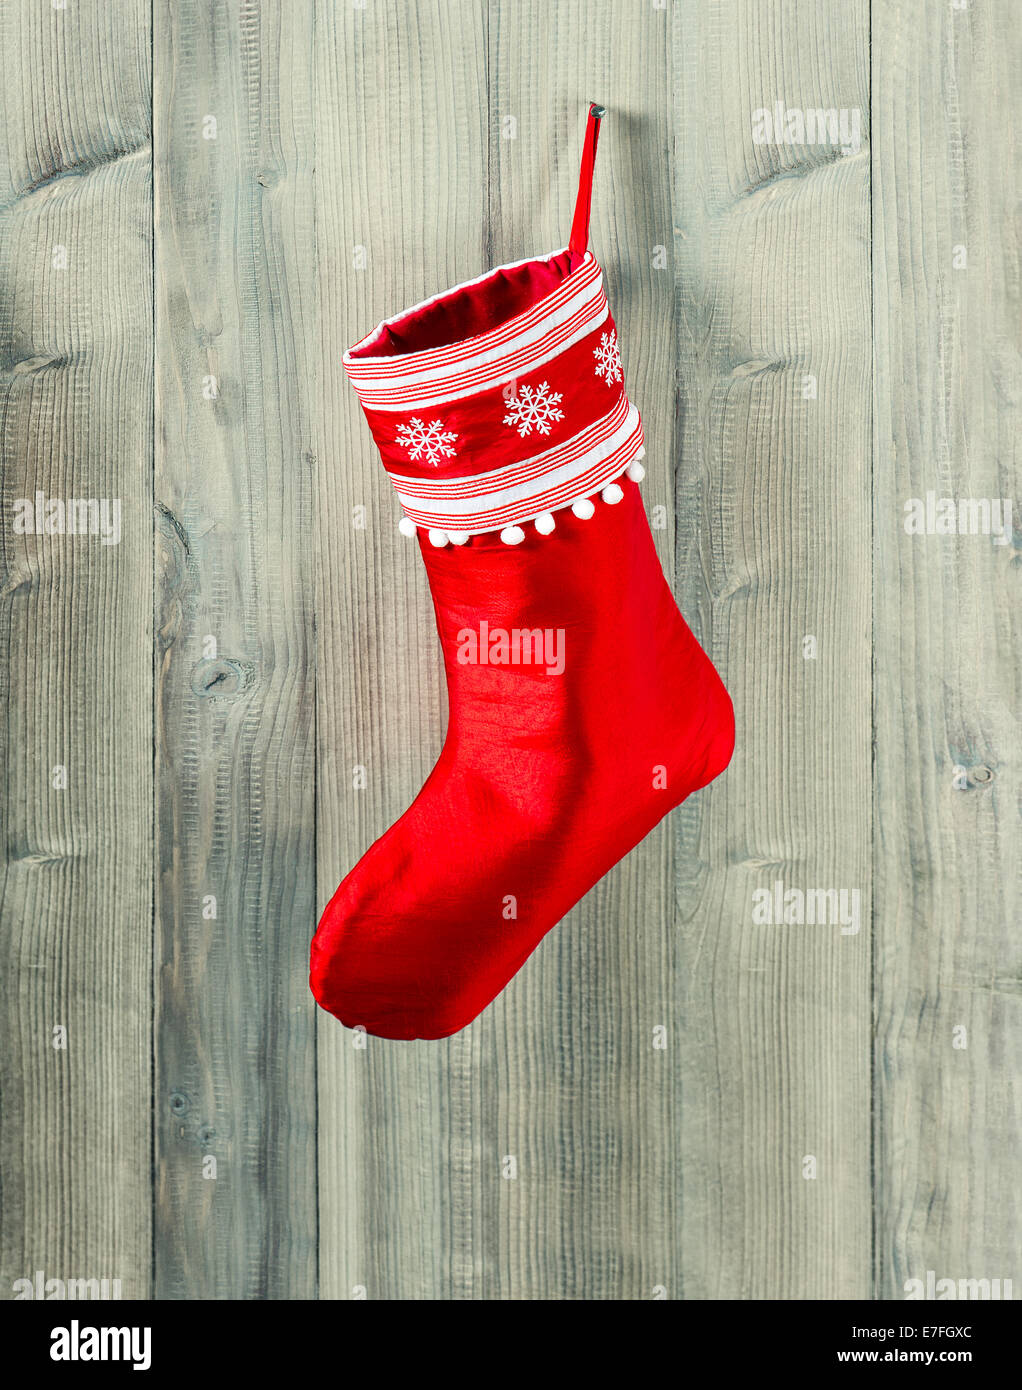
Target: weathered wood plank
(75, 632)
(400, 207)
(571, 1080)
(773, 545)
(948, 631)
(235, 306)
(447, 139)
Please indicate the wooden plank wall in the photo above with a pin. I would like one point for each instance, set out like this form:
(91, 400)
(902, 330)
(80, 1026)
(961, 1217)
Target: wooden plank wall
(235, 666)
(399, 1136)
(947, 179)
(76, 421)
(772, 493)
(814, 336)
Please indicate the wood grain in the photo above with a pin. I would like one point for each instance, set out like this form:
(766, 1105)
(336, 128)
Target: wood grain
(947, 170)
(813, 338)
(75, 633)
(235, 305)
(773, 544)
(590, 1116)
(400, 209)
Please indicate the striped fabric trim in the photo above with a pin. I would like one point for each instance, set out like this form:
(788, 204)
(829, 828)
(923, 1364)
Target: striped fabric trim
(551, 489)
(367, 365)
(517, 362)
(512, 475)
(525, 343)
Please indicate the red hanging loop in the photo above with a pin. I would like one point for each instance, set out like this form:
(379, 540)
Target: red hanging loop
(579, 239)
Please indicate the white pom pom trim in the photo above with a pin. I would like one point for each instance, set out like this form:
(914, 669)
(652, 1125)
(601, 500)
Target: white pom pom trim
(640, 452)
(545, 522)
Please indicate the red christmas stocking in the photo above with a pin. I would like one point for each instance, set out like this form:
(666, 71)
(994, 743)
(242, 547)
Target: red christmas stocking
(582, 709)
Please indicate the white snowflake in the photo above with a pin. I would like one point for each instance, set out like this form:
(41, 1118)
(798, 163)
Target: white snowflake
(608, 358)
(431, 441)
(533, 408)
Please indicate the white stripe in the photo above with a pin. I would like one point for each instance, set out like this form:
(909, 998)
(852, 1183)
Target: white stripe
(550, 501)
(497, 478)
(370, 338)
(495, 379)
(590, 292)
(443, 374)
(454, 507)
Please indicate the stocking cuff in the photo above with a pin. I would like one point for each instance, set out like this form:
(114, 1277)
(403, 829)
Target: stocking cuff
(502, 399)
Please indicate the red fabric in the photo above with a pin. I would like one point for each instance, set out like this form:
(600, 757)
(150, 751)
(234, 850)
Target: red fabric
(579, 239)
(484, 440)
(557, 761)
(469, 310)
(453, 410)
(545, 779)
